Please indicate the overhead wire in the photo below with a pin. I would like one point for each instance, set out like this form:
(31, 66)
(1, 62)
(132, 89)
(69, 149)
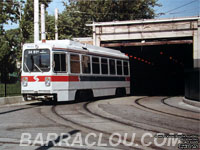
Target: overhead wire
(180, 6)
(186, 10)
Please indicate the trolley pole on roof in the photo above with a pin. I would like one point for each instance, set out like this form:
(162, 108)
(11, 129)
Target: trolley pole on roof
(36, 21)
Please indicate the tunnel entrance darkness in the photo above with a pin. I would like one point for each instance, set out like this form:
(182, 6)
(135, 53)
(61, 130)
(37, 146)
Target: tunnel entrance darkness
(159, 70)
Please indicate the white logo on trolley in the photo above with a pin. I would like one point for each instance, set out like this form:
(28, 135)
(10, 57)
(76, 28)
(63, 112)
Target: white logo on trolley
(36, 78)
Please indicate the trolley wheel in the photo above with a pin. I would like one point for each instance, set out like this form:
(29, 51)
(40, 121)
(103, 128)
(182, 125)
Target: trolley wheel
(83, 95)
(120, 92)
(25, 97)
(55, 99)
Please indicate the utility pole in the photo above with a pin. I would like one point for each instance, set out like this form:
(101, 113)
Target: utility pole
(20, 19)
(36, 21)
(56, 24)
(43, 34)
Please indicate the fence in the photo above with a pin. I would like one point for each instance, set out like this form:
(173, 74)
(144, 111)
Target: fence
(11, 88)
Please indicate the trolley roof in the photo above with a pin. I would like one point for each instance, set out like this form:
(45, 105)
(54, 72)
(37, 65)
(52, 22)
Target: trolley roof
(75, 46)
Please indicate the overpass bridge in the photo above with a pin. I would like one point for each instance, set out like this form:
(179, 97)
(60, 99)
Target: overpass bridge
(171, 46)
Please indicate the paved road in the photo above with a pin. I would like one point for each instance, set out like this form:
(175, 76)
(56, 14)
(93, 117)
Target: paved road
(117, 123)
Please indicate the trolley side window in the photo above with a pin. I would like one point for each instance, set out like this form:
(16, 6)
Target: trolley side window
(60, 64)
(119, 67)
(125, 65)
(112, 66)
(104, 66)
(86, 64)
(95, 65)
(75, 63)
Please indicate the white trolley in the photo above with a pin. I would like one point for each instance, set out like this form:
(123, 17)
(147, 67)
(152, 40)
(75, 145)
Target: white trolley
(66, 70)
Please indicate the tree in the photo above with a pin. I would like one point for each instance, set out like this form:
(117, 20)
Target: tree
(79, 12)
(9, 13)
(9, 49)
(50, 27)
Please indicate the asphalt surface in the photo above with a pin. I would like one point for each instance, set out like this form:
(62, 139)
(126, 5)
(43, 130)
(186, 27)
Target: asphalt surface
(116, 123)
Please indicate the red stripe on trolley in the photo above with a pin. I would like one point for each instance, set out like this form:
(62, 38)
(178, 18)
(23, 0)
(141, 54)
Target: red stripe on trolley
(64, 78)
(53, 78)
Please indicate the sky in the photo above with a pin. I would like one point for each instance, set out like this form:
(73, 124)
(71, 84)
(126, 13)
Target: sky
(178, 8)
(169, 9)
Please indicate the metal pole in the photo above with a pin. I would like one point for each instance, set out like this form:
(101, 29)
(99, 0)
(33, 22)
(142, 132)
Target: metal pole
(56, 24)
(5, 89)
(43, 34)
(36, 21)
(5, 82)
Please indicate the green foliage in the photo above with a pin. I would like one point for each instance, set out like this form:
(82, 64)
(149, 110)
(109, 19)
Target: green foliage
(50, 27)
(10, 48)
(8, 39)
(26, 23)
(79, 12)
(9, 11)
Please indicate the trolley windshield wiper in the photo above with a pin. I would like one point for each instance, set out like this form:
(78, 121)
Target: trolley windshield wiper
(27, 67)
(38, 68)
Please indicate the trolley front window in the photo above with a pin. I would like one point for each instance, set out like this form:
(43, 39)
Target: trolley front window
(36, 60)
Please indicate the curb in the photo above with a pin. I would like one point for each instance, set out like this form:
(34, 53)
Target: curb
(191, 102)
(11, 100)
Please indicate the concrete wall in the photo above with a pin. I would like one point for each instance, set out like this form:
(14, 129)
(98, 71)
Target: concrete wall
(11, 100)
(196, 45)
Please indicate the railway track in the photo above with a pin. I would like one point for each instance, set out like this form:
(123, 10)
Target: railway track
(148, 126)
(88, 129)
(15, 142)
(85, 118)
(164, 112)
(171, 112)
(39, 147)
(54, 116)
(176, 107)
(86, 111)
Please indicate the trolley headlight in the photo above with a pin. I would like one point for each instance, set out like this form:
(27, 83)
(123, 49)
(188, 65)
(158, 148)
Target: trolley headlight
(25, 81)
(47, 81)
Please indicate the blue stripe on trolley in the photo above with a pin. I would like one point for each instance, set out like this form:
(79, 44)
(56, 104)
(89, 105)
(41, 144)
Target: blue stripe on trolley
(98, 78)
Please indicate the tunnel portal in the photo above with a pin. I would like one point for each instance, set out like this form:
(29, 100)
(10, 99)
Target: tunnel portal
(159, 69)
(164, 53)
